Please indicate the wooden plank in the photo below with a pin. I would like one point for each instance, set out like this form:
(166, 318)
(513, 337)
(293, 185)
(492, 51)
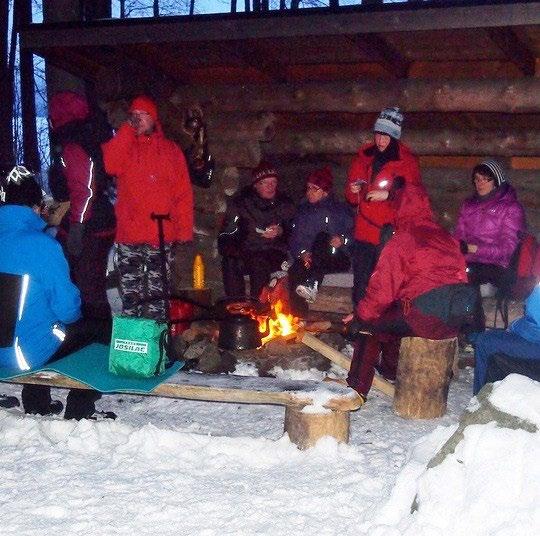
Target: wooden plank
(229, 388)
(386, 18)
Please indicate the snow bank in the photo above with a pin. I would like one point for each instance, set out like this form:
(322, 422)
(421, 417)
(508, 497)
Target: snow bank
(490, 484)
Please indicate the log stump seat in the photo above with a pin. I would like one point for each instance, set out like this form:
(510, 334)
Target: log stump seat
(423, 377)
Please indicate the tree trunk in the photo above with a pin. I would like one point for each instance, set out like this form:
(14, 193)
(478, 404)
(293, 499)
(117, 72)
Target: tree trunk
(6, 90)
(509, 96)
(423, 377)
(233, 6)
(422, 142)
(28, 100)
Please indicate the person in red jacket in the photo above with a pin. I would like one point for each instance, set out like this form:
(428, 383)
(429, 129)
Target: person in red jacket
(152, 178)
(418, 288)
(376, 174)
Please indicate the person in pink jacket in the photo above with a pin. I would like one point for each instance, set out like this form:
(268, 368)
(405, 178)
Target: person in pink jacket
(490, 225)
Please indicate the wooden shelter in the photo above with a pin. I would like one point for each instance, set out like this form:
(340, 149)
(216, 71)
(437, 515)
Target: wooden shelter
(303, 88)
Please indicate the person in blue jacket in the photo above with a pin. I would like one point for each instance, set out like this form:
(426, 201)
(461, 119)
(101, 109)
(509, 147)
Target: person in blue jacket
(516, 350)
(322, 228)
(40, 307)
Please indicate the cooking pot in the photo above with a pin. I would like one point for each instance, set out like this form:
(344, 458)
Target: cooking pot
(239, 332)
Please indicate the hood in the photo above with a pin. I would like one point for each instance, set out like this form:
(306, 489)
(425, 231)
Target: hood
(66, 107)
(17, 217)
(414, 207)
(528, 326)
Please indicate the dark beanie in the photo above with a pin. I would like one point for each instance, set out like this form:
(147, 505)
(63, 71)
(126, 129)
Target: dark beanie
(18, 187)
(322, 178)
(492, 169)
(262, 171)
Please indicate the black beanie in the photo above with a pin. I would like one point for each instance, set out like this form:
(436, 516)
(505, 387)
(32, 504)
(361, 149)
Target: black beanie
(18, 187)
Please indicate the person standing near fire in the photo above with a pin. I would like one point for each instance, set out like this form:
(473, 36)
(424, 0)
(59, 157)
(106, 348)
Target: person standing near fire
(377, 173)
(83, 212)
(152, 178)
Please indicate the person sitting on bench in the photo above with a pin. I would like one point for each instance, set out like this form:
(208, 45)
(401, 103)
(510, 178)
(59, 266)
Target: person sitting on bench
(253, 236)
(499, 352)
(321, 230)
(418, 288)
(40, 307)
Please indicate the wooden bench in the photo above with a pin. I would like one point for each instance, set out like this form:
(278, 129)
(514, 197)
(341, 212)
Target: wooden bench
(312, 409)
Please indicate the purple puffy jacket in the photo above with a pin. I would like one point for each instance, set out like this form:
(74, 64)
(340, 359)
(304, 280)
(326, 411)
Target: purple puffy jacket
(495, 224)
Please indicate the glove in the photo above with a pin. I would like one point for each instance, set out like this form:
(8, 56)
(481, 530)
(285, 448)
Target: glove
(74, 244)
(354, 328)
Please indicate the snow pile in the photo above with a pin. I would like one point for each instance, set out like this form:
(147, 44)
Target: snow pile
(490, 484)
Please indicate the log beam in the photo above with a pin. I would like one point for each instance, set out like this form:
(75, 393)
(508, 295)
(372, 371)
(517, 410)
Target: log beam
(375, 45)
(371, 96)
(516, 51)
(422, 142)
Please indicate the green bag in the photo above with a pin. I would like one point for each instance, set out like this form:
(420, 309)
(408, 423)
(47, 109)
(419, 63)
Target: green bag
(137, 347)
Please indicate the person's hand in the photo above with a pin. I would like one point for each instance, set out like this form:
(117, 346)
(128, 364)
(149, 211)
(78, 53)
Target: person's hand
(336, 241)
(74, 243)
(307, 259)
(348, 318)
(356, 186)
(472, 248)
(377, 195)
(272, 231)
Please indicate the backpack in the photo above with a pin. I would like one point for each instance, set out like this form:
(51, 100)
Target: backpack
(526, 262)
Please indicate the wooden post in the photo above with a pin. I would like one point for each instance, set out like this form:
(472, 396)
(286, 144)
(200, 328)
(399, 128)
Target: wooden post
(423, 377)
(306, 428)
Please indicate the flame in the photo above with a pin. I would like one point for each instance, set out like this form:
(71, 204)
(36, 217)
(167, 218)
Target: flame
(278, 323)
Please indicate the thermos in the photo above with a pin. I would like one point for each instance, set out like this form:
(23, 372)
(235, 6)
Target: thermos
(198, 272)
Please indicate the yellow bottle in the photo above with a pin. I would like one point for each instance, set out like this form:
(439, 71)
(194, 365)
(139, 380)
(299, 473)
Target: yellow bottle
(198, 272)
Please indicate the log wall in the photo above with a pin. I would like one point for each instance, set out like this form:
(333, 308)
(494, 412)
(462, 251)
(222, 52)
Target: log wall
(451, 125)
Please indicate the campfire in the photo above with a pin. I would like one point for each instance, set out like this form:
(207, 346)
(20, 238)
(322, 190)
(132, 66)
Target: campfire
(277, 324)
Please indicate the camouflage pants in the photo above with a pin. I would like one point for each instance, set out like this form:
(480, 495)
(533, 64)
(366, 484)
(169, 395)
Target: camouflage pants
(139, 267)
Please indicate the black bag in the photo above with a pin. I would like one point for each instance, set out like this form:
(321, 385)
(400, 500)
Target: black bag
(454, 304)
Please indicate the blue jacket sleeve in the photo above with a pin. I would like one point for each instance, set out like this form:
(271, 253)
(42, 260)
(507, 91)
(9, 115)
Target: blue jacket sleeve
(64, 296)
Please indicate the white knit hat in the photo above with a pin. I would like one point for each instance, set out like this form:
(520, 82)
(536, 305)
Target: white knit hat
(389, 122)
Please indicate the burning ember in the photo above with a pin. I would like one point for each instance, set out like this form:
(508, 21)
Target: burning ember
(277, 324)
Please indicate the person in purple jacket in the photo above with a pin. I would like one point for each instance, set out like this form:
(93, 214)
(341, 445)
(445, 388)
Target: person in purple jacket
(490, 226)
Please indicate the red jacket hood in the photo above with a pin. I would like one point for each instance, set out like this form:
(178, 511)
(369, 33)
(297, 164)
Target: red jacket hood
(67, 106)
(414, 207)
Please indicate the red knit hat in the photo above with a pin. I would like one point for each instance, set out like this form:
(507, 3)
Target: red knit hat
(262, 171)
(322, 178)
(145, 104)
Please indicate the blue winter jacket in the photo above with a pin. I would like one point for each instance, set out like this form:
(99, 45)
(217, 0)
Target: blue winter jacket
(328, 215)
(48, 299)
(528, 326)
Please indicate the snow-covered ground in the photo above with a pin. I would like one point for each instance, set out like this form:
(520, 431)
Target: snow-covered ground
(172, 467)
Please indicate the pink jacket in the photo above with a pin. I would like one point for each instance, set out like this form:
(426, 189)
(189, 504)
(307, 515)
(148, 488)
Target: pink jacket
(495, 224)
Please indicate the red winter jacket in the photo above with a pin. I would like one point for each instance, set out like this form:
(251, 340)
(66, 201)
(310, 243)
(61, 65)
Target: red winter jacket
(152, 176)
(372, 215)
(421, 256)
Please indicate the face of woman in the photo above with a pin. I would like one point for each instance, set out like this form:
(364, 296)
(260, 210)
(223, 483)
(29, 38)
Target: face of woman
(314, 194)
(382, 141)
(266, 188)
(483, 184)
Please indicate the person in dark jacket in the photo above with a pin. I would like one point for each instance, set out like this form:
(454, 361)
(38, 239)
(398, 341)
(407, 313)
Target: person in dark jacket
(498, 352)
(84, 214)
(489, 227)
(254, 233)
(40, 306)
(418, 288)
(376, 174)
(321, 231)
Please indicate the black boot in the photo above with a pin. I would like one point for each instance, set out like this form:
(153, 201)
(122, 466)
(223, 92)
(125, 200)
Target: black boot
(36, 400)
(7, 401)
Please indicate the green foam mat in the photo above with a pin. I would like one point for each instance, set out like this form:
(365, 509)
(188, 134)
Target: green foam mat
(90, 365)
